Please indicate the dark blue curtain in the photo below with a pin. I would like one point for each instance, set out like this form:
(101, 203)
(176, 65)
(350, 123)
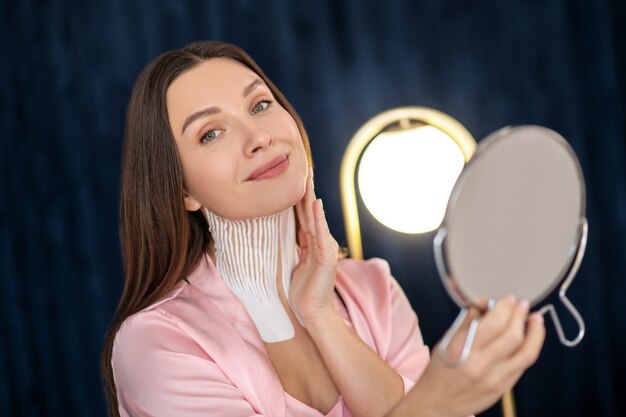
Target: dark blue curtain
(66, 70)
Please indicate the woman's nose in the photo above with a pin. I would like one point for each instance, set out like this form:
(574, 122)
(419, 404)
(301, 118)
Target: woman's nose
(257, 139)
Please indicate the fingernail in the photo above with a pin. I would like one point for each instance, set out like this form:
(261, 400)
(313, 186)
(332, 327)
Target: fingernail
(511, 299)
(523, 305)
(321, 203)
(538, 318)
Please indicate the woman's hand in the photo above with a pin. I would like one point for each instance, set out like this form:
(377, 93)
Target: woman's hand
(313, 280)
(507, 342)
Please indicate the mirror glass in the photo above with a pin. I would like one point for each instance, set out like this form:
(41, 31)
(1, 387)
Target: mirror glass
(513, 221)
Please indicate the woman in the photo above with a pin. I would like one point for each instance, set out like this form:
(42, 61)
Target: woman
(235, 303)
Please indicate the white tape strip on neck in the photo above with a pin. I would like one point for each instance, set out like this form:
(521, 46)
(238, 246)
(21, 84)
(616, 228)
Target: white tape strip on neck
(247, 253)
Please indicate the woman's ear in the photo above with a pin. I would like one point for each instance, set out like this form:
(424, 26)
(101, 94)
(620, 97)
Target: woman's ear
(191, 204)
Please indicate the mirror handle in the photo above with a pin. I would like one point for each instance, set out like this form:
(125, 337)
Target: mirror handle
(469, 339)
(467, 345)
(584, 230)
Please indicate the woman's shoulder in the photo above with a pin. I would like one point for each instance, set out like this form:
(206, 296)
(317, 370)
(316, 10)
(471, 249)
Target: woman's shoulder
(370, 279)
(376, 263)
(149, 325)
(374, 269)
(163, 312)
(380, 311)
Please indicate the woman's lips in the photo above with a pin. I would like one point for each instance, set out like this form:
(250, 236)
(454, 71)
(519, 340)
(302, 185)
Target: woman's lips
(272, 169)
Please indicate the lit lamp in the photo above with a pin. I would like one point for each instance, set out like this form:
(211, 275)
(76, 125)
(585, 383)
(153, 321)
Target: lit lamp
(406, 161)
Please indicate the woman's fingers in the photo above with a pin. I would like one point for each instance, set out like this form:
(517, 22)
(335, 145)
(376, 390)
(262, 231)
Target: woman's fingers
(513, 336)
(500, 333)
(530, 348)
(509, 371)
(515, 350)
(309, 199)
(321, 228)
(495, 321)
(304, 226)
(325, 242)
(304, 208)
(314, 232)
(303, 243)
(311, 215)
(458, 339)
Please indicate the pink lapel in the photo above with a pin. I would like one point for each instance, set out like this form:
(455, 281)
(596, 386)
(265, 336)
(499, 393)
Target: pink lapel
(220, 324)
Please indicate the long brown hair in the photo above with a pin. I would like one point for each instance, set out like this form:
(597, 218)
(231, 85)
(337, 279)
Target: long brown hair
(161, 241)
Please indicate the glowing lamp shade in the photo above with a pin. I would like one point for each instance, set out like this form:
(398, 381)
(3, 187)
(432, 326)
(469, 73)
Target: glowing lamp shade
(405, 161)
(405, 177)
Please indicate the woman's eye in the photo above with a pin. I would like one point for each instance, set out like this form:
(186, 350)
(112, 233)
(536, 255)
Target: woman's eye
(210, 135)
(260, 106)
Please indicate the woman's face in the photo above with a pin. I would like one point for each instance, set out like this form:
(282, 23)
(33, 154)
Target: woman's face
(241, 152)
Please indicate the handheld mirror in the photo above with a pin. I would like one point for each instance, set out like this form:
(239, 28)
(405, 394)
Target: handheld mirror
(515, 224)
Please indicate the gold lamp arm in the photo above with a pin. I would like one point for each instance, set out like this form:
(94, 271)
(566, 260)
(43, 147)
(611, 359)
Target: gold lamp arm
(348, 190)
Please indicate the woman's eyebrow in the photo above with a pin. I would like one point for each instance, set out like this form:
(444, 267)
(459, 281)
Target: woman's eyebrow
(254, 84)
(199, 114)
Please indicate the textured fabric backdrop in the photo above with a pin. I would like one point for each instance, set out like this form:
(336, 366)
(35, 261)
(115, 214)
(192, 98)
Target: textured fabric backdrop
(66, 71)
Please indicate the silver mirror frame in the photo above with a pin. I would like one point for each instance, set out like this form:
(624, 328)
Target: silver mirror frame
(464, 303)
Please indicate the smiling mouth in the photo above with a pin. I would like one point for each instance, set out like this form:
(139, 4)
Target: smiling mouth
(272, 169)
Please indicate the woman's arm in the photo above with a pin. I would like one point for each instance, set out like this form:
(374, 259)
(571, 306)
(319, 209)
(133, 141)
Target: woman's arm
(369, 386)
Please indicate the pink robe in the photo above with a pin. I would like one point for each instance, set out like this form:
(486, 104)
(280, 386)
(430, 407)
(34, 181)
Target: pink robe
(197, 352)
